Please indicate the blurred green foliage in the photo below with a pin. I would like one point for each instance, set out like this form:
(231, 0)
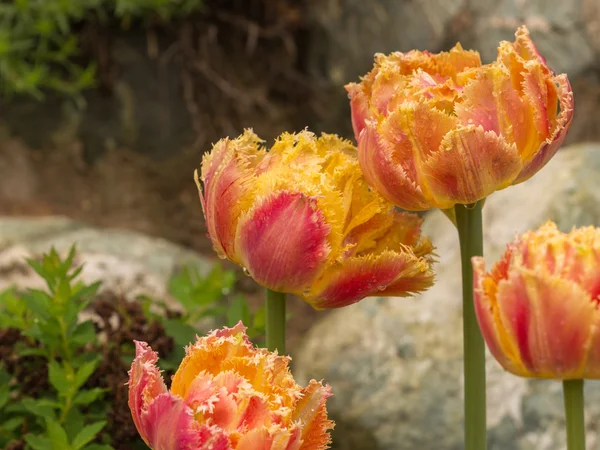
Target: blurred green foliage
(39, 39)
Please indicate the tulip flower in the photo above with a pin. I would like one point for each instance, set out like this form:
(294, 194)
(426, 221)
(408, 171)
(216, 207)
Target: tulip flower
(227, 395)
(436, 130)
(538, 306)
(301, 219)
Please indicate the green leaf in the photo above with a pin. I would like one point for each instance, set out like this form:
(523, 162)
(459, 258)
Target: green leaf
(39, 303)
(38, 442)
(41, 408)
(30, 351)
(12, 424)
(73, 422)
(182, 333)
(4, 393)
(83, 373)
(57, 434)
(84, 333)
(87, 434)
(260, 318)
(58, 377)
(85, 291)
(101, 447)
(88, 396)
(238, 310)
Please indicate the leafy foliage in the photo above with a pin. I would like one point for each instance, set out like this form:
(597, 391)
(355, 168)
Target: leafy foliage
(68, 409)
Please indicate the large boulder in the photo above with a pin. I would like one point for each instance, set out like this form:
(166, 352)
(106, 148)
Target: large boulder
(128, 263)
(345, 34)
(395, 364)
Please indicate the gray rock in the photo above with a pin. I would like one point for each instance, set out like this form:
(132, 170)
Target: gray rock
(347, 33)
(127, 262)
(395, 365)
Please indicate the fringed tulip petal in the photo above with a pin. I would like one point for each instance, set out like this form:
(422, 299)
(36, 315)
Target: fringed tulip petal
(227, 395)
(462, 173)
(311, 412)
(369, 275)
(387, 176)
(413, 107)
(225, 180)
(283, 241)
(551, 328)
(304, 207)
(170, 425)
(563, 122)
(538, 307)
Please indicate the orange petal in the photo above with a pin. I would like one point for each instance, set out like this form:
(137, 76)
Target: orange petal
(363, 276)
(563, 122)
(385, 174)
(270, 439)
(550, 320)
(282, 241)
(311, 412)
(486, 309)
(472, 164)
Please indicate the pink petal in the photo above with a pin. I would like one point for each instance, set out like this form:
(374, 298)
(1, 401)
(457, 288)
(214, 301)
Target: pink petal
(282, 241)
(170, 425)
(472, 164)
(145, 383)
(550, 319)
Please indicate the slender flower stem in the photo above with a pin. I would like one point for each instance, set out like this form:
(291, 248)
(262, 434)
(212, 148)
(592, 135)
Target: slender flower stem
(470, 233)
(573, 396)
(275, 323)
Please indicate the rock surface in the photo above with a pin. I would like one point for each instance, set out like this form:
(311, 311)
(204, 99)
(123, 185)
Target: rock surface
(395, 365)
(128, 263)
(347, 33)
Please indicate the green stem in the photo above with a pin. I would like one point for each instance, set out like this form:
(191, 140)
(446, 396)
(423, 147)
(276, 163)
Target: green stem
(469, 224)
(275, 321)
(573, 396)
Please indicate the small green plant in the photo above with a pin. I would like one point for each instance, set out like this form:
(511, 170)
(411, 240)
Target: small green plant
(65, 415)
(201, 297)
(63, 388)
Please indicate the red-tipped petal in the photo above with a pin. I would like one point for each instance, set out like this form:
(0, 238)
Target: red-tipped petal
(170, 425)
(550, 320)
(359, 106)
(472, 164)
(282, 241)
(225, 181)
(363, 276)
(145, 384)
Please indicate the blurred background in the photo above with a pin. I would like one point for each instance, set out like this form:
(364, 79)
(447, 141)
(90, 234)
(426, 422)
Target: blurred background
(107, 106)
